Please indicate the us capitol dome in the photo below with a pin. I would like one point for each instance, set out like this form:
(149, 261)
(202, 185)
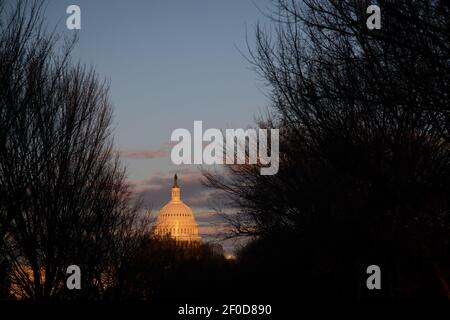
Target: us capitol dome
(176, 219)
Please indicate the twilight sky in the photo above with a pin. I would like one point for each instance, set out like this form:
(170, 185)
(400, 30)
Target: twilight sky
(169, 63)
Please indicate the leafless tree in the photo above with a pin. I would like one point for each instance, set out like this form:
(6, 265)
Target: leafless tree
(364, 148)
(64, 199)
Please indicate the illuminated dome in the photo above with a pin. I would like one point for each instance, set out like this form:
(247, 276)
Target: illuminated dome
(176, 219)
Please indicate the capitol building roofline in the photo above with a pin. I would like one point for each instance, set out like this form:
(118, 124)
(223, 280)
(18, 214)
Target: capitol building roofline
(176, 219)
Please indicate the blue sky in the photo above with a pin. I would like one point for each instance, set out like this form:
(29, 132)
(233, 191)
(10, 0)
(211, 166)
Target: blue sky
(169, 63)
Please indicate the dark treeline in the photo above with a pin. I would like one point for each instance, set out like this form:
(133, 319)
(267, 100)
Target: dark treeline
(163, 269)
(63, 199)
(364, 172)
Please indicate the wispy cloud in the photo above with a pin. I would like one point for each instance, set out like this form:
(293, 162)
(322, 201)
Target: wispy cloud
(143, 154)
(160, 152)
(154, 191)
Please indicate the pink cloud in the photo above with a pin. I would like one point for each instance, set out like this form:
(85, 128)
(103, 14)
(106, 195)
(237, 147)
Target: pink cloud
(160, 152)
(154, 191)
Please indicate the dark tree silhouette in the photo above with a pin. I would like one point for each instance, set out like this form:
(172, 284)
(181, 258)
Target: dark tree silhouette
(364, 149)
(64, 199)
(164, 269)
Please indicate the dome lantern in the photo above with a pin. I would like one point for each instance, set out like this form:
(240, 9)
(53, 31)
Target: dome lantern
(175, 190)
